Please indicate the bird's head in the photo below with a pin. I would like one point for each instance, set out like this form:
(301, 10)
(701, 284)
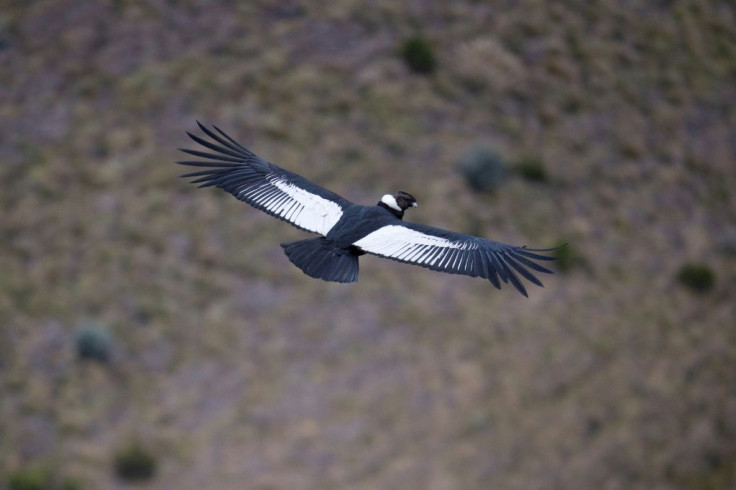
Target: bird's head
(399, 202)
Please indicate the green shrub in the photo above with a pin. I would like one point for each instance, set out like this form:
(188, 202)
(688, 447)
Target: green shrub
(567, 257)
(39, 478)
(419, 55)
(698, 277)
(531, 168)
(29, 479)
(94, 343)
(483, 169)
(134, 463)
(70, 484)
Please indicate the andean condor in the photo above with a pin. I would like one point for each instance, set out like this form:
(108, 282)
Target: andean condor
(350, 230)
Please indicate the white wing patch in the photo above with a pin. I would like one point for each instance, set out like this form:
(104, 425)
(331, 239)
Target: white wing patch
(296, 205)
(409, 245)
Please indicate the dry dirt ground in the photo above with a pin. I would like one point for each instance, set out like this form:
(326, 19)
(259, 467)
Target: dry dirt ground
(237, 371)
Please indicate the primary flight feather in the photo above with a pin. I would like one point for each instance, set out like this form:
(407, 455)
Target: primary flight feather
(349, 230)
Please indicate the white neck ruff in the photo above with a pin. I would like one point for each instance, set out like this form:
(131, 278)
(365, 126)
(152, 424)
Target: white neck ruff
(390, 201)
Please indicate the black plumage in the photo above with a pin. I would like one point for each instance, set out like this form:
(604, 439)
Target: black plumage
(349, 230)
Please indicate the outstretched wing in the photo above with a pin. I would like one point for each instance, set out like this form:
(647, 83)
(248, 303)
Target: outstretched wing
(456, 253)
(263, 185)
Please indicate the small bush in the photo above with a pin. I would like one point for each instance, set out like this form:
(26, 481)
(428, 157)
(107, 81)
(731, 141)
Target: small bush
(567, 257)
(39, 478)
(419, 55)
(94, 343)
(531, 168)
(134, 463)
(700, 278)
(70, 484)
(29, 479)
(478, 421)
(593, 425)
(482, 168)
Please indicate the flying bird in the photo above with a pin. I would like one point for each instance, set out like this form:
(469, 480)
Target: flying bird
(350, 230)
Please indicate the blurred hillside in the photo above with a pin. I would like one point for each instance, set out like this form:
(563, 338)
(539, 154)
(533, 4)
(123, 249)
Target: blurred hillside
(137, 310)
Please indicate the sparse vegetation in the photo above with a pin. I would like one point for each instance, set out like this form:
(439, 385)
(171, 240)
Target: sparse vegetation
(482, 168)
(419, 55)
(697, 277)
(71, 484)
(567, 257)
(94, 343)
(243, 370)
(31, 478)
(135, 463)
(39, 477)
(531, 168)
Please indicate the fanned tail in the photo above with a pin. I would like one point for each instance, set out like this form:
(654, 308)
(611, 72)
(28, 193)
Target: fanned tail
(317, 258)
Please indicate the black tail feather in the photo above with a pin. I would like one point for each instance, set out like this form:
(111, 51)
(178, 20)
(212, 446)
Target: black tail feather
(318, 258)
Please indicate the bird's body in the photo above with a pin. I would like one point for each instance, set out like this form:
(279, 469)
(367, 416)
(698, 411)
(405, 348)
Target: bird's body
(349, 230)
(357, 222)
